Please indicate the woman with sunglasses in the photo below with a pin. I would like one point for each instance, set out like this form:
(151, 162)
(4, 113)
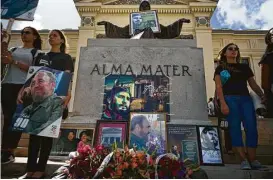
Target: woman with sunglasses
(231, 80)
(59, 60)
(19, 60)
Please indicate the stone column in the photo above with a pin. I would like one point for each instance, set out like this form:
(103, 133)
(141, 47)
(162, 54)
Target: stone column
(204, 40)
(86, 31)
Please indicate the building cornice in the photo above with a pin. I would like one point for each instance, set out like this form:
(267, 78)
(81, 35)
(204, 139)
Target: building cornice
(241, 32)
(162, 9)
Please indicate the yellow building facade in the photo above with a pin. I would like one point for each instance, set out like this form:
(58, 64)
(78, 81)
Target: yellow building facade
(251, 43)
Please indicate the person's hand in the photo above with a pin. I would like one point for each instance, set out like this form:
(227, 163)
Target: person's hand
(263, 99)
(21, 95)
(101, 23)
(6, 57)
(224, 109)
(185, 20)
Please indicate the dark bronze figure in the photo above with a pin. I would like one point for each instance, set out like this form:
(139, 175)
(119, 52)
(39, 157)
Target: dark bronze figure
(167, 32)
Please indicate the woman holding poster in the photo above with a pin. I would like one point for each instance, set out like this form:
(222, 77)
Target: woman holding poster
(19, 60)
(56, 59)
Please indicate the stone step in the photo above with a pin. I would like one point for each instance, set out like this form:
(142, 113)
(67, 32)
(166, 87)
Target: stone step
(230, 171)
(233, 159)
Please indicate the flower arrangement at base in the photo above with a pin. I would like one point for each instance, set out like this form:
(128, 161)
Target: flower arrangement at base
(126, 164)
(86, 164)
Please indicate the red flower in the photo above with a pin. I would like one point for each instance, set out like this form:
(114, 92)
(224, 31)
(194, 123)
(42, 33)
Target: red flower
(99, 148)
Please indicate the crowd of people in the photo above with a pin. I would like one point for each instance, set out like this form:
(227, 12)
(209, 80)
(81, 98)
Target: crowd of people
(19, 59)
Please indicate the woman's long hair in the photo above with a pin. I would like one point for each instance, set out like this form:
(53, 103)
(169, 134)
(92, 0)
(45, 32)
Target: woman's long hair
(223, 58)
(269, 47)
(37, 43)
(64, 45)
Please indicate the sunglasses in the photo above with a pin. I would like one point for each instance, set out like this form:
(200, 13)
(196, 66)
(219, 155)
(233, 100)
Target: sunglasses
(233, 49)
(25, 32)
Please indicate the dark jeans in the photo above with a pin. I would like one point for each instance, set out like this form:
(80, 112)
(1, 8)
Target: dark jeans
(36, 144)
(241, 109)
(269, 106)
(9, 92)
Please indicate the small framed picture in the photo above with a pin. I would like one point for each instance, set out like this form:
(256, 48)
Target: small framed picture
(148, 132)
(182, 141)
(210, 149)
(110, 132)
(142, 20)
(68, 140)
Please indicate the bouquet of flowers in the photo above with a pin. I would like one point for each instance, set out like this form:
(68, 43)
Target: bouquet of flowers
(86, 164)
(168, 166)
(126, 164)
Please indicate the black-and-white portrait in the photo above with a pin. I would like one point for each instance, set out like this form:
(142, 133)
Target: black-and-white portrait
(210, 145)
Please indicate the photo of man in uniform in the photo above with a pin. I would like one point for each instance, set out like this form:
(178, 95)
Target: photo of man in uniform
(46, 107)
(210, 145)
(137, 21)
(117, 103)
(139, 130)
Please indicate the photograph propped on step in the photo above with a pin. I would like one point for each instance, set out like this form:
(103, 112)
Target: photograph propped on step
(67, 142)
(126, 93)
(41, 110)
(148, 132)
(109, 133)
(210, 145)
(183, 142)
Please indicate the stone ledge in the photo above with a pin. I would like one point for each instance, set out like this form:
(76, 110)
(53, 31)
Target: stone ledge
(229, 171)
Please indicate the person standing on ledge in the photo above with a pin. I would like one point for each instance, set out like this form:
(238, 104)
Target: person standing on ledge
(231, 79)
(167, 32)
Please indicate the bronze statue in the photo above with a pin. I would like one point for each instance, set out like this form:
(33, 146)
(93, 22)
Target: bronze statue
(267, 72)
(167, 32)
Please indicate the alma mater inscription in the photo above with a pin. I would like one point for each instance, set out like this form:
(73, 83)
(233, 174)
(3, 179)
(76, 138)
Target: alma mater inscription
(159, 70)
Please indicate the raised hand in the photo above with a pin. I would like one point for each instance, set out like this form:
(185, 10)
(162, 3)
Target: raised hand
(101, 23)
(185, 20)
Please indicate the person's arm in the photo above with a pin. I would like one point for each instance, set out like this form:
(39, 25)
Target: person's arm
(220, 94)
(17, 64)
(254, 86)
(265, 76)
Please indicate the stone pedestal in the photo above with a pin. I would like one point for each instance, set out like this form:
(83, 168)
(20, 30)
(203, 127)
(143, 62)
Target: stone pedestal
(180, 60)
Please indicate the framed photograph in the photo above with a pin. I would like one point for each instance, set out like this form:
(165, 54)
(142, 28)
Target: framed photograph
(142, 20)
(148, 132)
(210, 149)
(44, 121)
(68, 140)
(182, 141)
(110, 132)
(124, 94)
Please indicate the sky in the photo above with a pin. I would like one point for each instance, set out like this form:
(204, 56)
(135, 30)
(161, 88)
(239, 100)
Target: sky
(230, 14)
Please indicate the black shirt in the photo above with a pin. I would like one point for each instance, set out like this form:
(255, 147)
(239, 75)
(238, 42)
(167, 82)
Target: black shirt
(237, 83)
(58, 61)
(268, 59)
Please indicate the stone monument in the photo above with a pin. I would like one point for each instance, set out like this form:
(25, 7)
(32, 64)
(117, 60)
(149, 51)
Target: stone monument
(180, 62)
